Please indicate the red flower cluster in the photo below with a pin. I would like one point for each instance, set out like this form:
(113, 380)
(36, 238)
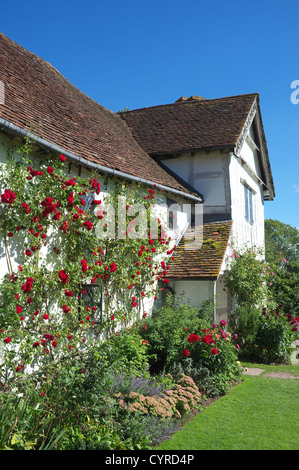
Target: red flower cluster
(87, 224)
(33, 173)
(193, 338)
(28, 285)
(48, 337)
(63, 276)
(8, 196)
(94, 184)
(113, 267)
(207, 339)
(69, 293)
(26, 207)
(47, 203)
(84, 265)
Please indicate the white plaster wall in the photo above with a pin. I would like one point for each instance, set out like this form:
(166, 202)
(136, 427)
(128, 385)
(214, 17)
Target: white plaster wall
(193, 291)
(244, 233)
(208, 173)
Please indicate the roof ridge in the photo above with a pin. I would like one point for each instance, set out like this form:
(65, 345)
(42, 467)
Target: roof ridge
(189, 102)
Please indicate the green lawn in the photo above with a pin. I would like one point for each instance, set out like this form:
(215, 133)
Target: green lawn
(261, 413)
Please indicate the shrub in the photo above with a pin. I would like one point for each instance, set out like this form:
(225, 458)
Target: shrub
(275, 335)
(126, 349)
(165, 331)
(248, 277)
(244, 321)
(214, 349)
(201, 375)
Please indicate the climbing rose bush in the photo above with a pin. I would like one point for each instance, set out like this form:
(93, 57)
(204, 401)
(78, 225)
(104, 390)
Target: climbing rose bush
(48, 222)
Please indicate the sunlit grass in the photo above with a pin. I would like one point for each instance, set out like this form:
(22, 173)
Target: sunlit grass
(261, 413)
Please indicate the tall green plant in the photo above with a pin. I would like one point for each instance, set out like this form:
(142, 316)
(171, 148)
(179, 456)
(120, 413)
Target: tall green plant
(249, 277)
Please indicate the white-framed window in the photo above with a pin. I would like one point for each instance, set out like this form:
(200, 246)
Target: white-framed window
(248, 197)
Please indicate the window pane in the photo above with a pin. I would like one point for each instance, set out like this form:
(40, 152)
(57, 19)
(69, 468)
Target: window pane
(250, 207)
(246, 203)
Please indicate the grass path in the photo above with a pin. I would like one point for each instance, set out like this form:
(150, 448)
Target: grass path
(261, 413)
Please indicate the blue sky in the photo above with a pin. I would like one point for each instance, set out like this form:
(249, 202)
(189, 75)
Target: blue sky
(143, 53)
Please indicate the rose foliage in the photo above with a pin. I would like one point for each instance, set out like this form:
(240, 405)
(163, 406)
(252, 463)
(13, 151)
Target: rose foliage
(67, 286)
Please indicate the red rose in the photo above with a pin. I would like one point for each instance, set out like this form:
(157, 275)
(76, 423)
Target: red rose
(28, 286)
(215, 351)
(54, 344)
(113, 267)
(26, 208)
(62, 158)
(207, 339)
(88, 225)
(35, 345)
(28, 253)
(186, 353)
(50, 170)
(84, 265)
(8, 197)
(193, 338)
(70, 199)
(7, 340)
(63, 276)
(19, 309)
(48, 337)
(46, 317)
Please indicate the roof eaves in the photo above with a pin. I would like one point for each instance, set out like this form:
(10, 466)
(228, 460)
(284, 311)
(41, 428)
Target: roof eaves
(12, 128)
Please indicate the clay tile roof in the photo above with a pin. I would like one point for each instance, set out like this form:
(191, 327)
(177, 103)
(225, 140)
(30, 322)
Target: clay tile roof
(190, 124)
(39, 99)
(191, 262)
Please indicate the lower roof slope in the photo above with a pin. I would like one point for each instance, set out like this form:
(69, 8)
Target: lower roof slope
(200, 253)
